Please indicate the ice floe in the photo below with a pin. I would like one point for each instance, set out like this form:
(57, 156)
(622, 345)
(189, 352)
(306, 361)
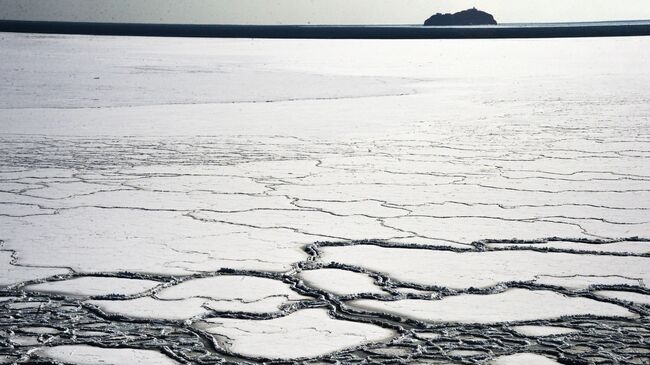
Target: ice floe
(543, 331)
(483, 269)
(94, 286)
(92, 355)
(509, 306)
(198, 297)
(11, 274)
(340, 282)
(625, 296)
(286, 337)
(235, 293)
(519, 359)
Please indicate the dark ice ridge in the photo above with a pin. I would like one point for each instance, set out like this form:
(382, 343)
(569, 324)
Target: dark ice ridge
(600, 340)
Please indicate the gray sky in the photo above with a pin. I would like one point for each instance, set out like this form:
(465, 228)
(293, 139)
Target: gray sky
(317, 11)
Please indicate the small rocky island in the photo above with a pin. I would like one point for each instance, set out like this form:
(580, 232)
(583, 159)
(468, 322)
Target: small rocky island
(466, 17)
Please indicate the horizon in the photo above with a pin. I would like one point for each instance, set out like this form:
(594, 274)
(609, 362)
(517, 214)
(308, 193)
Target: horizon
(316, 12)
(633, 21)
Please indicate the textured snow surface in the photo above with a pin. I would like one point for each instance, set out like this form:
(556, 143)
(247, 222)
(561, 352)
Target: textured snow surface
(337, 201)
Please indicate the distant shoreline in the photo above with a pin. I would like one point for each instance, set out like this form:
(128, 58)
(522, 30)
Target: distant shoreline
(531, 30)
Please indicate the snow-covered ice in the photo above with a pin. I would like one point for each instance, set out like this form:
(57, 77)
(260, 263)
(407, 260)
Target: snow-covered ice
(169, 200)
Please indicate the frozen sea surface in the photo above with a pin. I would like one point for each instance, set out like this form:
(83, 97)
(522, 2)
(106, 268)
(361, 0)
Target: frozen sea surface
(244, 201)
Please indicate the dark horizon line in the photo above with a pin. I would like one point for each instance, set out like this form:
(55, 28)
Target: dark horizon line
(510, 30)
